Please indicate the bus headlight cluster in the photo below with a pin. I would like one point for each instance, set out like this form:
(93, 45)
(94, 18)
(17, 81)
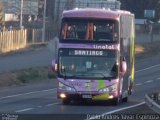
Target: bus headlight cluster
(109, 89)
(65, 87)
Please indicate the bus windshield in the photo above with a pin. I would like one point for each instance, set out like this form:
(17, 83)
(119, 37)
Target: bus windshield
(84, 29)
(88, 64)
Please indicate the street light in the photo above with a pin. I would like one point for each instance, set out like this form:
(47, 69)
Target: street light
(44, 22)
(21, 15)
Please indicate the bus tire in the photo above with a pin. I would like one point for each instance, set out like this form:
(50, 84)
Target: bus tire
(116, 101)
(130, 86)
(130, 89)
(66, 101)
(129, 92)
(125, 99)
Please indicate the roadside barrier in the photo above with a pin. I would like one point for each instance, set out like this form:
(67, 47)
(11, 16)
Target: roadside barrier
(153, 101)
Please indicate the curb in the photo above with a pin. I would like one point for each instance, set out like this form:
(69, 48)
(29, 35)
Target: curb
(152, 104)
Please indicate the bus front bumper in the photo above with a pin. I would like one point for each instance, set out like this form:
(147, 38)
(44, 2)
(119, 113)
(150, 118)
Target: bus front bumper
(78, 96)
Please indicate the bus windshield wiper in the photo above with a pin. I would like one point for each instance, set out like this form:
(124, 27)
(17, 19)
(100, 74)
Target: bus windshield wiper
(79, 74)
(104, 77)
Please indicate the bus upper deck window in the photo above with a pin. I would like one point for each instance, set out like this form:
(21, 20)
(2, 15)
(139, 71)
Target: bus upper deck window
(89, 32)
(64, 31)
(71, 32)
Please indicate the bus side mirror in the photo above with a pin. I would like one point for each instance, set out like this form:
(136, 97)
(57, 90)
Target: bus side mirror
(54, 65)
(123, 68)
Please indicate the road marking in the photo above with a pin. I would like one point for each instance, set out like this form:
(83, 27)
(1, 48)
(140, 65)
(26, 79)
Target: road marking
(147, 68)
(39, 106)
(52, 104)
(24, 110)
(138, 84)
(28, 109)
(49, 90)
(149, 81)
(11, 96)
(117, 110)
(125, 108)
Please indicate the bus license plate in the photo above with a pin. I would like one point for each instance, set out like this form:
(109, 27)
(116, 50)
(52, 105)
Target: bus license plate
(86, 96)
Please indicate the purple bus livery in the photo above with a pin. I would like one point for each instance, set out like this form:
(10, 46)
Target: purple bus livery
(95, 55)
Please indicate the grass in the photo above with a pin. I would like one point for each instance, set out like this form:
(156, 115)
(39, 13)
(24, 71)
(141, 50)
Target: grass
(147, 50)
(34, 74)
(30, 75)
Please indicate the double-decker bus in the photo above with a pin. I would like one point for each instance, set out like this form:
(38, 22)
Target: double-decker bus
(95, 55)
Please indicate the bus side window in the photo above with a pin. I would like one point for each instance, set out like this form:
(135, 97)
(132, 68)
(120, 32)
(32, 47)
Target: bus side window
(64, 31)
(89, 31)
(72, 32)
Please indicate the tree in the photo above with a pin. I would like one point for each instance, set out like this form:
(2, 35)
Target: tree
(50, 8)
(1, 13)
(158, 11)
(138, 6)
(69, 4)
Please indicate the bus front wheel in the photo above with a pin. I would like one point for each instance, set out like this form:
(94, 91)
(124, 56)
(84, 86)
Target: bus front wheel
(125, 99)
(66, 101)
(116, 101)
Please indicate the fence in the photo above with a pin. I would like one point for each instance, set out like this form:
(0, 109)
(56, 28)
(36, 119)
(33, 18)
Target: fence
(12, 40)
(16, 39)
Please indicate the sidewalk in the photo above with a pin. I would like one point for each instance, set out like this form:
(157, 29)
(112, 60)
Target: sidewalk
(153, 101)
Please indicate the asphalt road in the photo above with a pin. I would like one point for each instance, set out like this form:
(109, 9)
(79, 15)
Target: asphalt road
(39, 100)
(33, 58)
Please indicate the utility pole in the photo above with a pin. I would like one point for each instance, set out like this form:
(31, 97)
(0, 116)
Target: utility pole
(44, 22)
(21, 15)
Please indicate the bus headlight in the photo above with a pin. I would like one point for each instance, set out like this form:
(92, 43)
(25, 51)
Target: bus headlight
(112, 88)
(65, 87)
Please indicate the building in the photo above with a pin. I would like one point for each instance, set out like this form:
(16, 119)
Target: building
(143, 9)
(61, 5)
(113, 4)
(12, 8)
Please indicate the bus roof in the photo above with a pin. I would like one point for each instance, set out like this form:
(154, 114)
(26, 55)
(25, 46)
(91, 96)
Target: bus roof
(94, 13)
